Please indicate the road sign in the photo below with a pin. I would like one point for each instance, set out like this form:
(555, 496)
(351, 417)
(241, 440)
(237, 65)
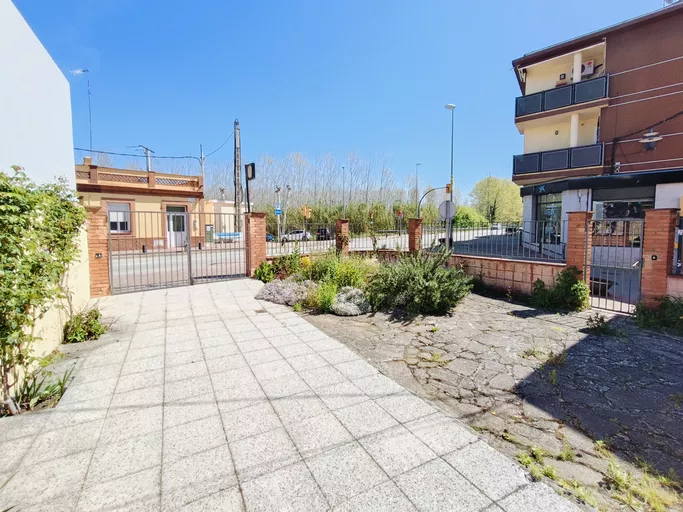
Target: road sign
(278, 209)
(447, 209)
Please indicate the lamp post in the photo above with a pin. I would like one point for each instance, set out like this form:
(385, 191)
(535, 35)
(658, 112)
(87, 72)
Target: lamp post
(343, 191)
(77, 72)
(451, 107)
(417, 186)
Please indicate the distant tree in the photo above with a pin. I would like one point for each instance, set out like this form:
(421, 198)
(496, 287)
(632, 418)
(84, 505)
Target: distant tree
(468, 217)
(497, 200)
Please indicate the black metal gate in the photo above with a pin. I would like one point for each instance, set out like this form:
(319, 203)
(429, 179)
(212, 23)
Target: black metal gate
(615, 263)
(150, 250)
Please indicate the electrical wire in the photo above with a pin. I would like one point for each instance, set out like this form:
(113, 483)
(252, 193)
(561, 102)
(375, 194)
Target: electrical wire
(134, 154)
(221, 146)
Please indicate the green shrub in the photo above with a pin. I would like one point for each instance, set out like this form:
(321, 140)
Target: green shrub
(326, 292)
(265, 272)
(84, 326)
(419, 283)
(353, 272)
(323, 268)
(667, 314)
(569, 292)
(285, 266)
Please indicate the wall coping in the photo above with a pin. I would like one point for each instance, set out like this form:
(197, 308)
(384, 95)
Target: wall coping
(533, 262)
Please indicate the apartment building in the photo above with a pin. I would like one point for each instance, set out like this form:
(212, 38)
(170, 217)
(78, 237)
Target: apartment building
(602, 119)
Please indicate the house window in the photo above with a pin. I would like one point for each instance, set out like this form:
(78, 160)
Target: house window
(119, 217)
(623, 203)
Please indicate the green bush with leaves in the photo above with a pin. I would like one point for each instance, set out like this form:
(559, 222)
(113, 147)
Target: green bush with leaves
(39, 228)
(667, 314)
(325, 294)
(419, 283)
(568, 293)
(285, 266)
(353, 271)
(84, 326)
(323, 268)
(265, 272)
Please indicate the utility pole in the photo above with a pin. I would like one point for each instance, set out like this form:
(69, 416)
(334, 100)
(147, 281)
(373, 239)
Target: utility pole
(201, 163)
(277, 202)
(148, 156)
(343, 192)
(417, 186)
(238, 177)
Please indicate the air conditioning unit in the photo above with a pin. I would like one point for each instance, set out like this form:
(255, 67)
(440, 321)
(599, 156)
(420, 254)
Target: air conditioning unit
(587, 68)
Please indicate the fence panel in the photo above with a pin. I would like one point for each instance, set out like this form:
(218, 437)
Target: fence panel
(309, 239)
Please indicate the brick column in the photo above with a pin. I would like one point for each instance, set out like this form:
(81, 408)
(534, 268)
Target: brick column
(98, 251)
(414, 235)
(579, 246)
(255, 241)
(658, 253)
(342, 236)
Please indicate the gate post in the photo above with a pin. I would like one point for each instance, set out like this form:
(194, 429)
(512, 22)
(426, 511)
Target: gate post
(414, 235)
(579, 243)
(98, 251)
(658, 253)
(342, 236)
(255, 241)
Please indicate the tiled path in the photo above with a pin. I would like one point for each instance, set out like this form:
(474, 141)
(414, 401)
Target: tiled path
(203, 398)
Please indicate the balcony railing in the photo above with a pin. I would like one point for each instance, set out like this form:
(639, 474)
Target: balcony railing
(95, 176)
(574, 94)
(558, 159)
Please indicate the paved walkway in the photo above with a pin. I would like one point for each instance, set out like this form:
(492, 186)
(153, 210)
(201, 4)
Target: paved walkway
(203, 398)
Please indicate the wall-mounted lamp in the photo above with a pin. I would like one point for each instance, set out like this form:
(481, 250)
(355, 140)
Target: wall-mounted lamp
(650, 140)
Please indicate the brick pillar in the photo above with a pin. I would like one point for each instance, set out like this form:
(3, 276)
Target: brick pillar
(98, 249)
(658, 252)
(579, 247)
(414, 235)
(255, 241)
(342, 236)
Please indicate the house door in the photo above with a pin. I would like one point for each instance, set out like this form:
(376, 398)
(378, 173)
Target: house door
(175, 226)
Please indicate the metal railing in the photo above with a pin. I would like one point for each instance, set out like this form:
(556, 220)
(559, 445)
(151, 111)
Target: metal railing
(573, 94)
(528, 240)
(308, 239)
(363, 239)
(558, 159)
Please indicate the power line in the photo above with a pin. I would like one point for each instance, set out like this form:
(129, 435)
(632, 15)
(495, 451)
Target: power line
(134, 154)
(221, 146)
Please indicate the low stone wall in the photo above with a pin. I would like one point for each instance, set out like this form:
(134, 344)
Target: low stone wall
(510, 275)
(674, 286)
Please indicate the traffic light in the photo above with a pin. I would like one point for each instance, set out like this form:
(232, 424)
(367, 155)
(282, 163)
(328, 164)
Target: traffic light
(448, 188)
(306, 212)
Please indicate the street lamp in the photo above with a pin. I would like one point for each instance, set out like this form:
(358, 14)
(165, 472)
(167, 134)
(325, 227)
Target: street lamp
(451, 107)
(417, 185)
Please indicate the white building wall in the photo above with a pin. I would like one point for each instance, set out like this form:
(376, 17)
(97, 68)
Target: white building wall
(35, 133)
(573, 201)
(35, 104)
(668, 195)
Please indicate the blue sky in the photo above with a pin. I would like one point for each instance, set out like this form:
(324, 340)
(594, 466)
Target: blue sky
(311, 76)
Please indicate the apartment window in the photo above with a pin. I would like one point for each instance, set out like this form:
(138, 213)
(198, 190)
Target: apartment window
(119, 217)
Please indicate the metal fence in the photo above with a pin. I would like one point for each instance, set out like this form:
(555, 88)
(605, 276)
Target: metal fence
(308, 239)
(362, 238)
(529, 240)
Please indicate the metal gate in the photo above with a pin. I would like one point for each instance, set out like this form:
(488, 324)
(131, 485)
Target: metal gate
(615, 263)
(149, 250)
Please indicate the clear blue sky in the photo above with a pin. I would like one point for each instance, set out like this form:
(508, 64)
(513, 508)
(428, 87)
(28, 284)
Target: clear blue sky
(311, 76)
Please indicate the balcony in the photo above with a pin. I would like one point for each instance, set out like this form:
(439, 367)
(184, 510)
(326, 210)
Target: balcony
(565, 96)
(91, 178)
(559, 159)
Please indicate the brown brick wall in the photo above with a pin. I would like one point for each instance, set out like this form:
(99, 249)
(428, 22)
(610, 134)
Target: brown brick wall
(255, 240)
(578, 255)
(342, 237)
(414, 235)
(658, 243)
(98, 244)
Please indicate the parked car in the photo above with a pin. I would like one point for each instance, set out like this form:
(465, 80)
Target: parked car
(269, 237)
(297, 235)
(323, 234)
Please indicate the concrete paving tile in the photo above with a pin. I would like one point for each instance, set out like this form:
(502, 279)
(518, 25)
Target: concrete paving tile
(339, 355)
(193, 437)
(262, 356)
(323, 344)
(47, 480)
(291, 488)
(299, 407)
(12, 453)
(137, 491)
(234, 397)
(302, 327)
(114, 460)
(317, 434)
(229, 500)
(197, 476)
(143, 365)
(365, 418)
(233, 378)
(257, 455)
(345, 472)
(250, 421)
(53, 444)
(189, 409)
(253, 345)
(182, 346)
(84, 375)
(23, 425)
(290, 384)
(322, 377)
(385, 497)
(284, 340)
(140, 380)
(247, 336)
(536, 497)
(217, 341)
(218, 351)
(122, 403)
(294, 350)
(271, 370)
(186, 356)
(273, 331)
(356, 369)
(185, 371)
(441, 433)
(377, 386)
(66, 502)
(405, 406)
(95, 360)
(180, 335)
(491, 471)
(80, 412)
(341, 395)
(221, 364)
(186, 388)
(396, 450)
(137, 422)
(435, 486)
(306, 362)
(135, 354)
